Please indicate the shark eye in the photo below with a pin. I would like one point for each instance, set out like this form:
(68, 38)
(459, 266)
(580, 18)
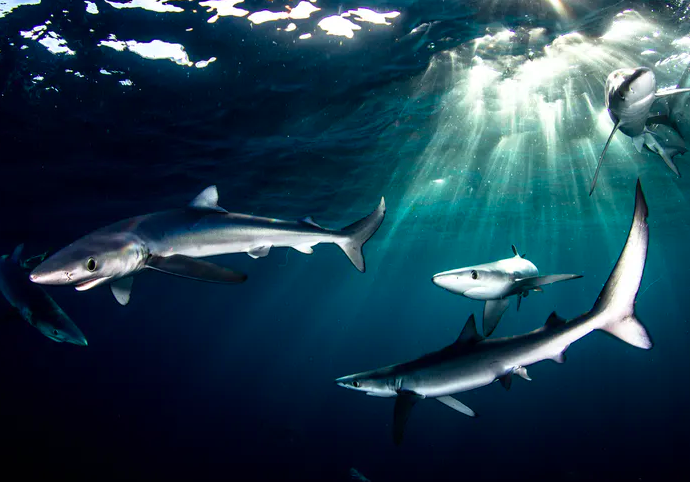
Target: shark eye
(356, 384)
(91, 264)
(475, 275)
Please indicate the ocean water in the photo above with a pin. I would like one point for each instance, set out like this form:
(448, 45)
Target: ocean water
(481, 123)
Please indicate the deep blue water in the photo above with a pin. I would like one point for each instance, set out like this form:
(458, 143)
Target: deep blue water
(196, 381)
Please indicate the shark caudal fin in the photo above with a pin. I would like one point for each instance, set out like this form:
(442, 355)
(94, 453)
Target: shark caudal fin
(358, 233)
(614, 310)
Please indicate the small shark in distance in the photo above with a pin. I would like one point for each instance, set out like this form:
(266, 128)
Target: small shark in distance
(170, 241)
(32, 304)
(472, 362)
(495, 282)
(630, 94)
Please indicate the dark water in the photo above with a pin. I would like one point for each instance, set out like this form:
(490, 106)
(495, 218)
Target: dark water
(203, 382)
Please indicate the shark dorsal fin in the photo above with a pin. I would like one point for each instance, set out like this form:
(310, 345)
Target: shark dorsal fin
(515, 251)
(469, 333)
(310, 221)
(207, 200)
(17, 253)
(554, 321)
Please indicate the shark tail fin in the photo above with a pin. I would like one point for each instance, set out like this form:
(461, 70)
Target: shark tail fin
(614, 310)
(356, 234)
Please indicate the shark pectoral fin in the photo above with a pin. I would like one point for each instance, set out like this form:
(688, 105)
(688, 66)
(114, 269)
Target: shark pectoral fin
(304, 248)
(536, 281)
(638, 142)
(16, 254)
(493, 310)
(186, 267)
(522, 373)
(601, 158)
(122, 289)
(668, 160)
(449, 401)
(668, 92)
(259, 252)
(207, 200)
(506, 380)
(403, 406)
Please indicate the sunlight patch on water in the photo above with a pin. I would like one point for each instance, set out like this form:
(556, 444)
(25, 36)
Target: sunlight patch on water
(49, 39)
(91, 8)
(6, 6)
(160, 6)
(155, 50)
(224, 8)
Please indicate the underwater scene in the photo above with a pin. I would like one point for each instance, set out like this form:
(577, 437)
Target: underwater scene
(344, 241)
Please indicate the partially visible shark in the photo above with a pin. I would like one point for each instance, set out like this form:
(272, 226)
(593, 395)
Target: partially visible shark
(495, 282)
(664, 141)
(629, 95)
(472, 362)
(170, 242)
(32, 304)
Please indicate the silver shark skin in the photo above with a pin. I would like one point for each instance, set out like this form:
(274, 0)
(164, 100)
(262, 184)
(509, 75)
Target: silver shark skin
(629, 95)
(32, 304)
(495, 282)
(169, 241)
(472, 362)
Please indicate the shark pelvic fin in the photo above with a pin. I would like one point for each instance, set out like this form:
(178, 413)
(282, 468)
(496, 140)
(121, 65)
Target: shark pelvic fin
(122, 289)
(493, 311)
(469, 334)
(601, 157)
(506, 380)
(449, 401)
(207, 200)
(259, 251)
(638, 142)
(186, 267)
(404, 402)
(522, 373)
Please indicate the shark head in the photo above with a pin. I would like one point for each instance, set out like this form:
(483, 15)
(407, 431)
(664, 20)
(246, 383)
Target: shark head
(473, 282)
(92, 260)
(56, 325)
(369, 383)
(630, 94)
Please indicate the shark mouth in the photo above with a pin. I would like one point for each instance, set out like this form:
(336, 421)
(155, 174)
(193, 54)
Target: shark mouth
(91, 283)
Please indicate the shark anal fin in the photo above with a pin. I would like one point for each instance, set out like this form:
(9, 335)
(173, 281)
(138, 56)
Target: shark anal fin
(186, 267)
(449, 401)
(601, 158)
(493, 311)
(122, 289)
(259, 251)
(304, 248)
(401, 413)
(560, 358)
(506, 380)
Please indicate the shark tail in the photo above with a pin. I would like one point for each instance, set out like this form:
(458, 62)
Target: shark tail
(356, 234)
(614, 310)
